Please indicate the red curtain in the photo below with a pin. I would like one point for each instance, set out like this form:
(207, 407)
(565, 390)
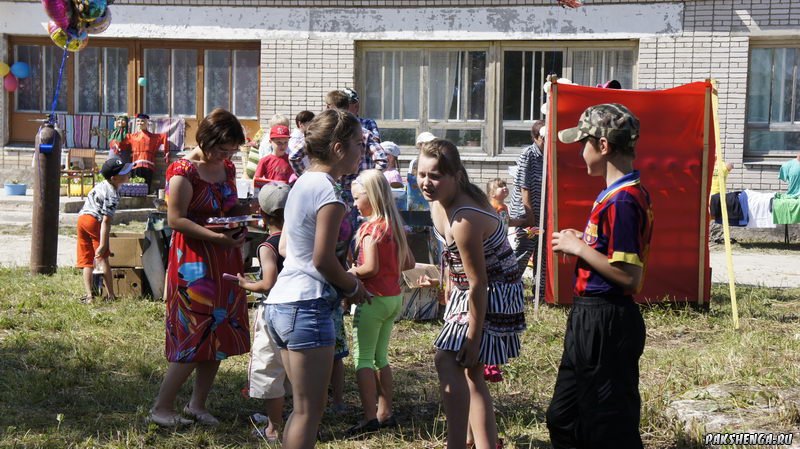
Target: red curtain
(674, 125)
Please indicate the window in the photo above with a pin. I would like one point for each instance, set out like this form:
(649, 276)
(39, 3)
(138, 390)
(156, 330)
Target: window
(171, 87)
(439, 90)
(35, 93)
(101, 80)
(593, 67)
(234, 71)
(773, 101)
(524, 73)
(482, 96)
(526, 70)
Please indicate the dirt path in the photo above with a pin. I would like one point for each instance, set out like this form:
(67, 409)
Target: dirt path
(769, 270)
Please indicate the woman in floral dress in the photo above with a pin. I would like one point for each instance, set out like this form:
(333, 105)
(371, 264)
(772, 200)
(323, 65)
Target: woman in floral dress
(206, 316)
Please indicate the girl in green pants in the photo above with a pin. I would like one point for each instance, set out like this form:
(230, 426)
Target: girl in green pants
(381, 254)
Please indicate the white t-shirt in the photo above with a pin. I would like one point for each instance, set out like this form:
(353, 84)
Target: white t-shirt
(299, 280)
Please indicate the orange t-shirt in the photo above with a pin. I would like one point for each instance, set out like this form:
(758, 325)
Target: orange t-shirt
(387, 281)
(144, 146)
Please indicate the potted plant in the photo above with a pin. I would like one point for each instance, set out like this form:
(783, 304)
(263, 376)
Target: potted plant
(15, 188)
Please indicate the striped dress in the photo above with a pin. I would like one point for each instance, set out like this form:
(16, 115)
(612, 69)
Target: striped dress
(505, 313)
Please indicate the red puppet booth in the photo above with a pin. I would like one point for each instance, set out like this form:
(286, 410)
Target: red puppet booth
(675, 157)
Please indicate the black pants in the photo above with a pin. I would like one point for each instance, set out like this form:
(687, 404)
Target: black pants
(596, 401)
(147, 174)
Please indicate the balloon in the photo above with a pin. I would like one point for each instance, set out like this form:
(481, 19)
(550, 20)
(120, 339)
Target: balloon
(89, 10)
(20, 69)
(4, 69)
(101, 24)
(10, 82)
(60, 38)
(59, 10)
(142, 81)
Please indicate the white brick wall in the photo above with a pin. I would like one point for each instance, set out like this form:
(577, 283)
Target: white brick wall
(714, 44)
(296, 74)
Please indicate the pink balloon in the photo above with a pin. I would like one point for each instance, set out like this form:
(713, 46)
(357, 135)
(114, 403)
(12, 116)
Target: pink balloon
(10, 82)
(60, 11)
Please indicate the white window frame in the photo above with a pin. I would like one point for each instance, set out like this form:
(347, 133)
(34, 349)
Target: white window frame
(424, 123)
(492, 126)
(567, 48)
(769, 125)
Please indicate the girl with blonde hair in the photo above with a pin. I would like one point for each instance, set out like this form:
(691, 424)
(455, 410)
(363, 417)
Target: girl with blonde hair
(381, 254)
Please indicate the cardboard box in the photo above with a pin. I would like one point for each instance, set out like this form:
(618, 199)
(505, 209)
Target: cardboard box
(126, 249)
(420, 303)
(128, 281)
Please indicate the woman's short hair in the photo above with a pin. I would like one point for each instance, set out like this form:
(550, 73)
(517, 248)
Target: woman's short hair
(326, 129)
(220, 127)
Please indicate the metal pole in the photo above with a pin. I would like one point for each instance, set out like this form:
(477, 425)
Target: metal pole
(46, 186)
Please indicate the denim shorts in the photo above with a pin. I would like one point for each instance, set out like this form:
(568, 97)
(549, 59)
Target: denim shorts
(303, 324)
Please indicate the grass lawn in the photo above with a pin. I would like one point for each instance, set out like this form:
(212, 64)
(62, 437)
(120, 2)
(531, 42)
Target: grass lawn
(77, 376)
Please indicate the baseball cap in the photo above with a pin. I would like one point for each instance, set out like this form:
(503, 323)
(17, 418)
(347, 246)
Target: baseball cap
(352, 95)
(425, 137)
(391, 148)
(610, 120)
(273, 197)
(279, 132)
(114, 166)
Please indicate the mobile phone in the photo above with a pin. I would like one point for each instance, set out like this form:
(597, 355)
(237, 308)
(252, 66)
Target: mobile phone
(230, 277)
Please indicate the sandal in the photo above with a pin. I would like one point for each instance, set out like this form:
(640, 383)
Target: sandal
(364, 427)
(262, 433)
(389, 422)
(175, 420)
(205, 418)
(85, 299)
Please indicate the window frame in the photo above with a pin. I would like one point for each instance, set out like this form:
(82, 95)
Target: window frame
(23, 124)
(492, 126)
(567, 48)
(790, 126)
(424, 123)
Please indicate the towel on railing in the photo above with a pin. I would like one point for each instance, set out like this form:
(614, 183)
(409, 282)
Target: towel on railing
(759, 205)
(737, 211)
(786, 209)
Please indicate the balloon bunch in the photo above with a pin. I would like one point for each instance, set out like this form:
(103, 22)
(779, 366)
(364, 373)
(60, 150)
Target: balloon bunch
(72, 21)
(11, 75)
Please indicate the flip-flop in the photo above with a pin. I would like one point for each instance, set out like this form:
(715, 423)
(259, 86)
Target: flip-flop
(261, 432)
(85, 299)
(205, 418)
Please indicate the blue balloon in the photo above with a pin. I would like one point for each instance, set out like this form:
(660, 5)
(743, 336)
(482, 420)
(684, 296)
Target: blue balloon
(20, 69)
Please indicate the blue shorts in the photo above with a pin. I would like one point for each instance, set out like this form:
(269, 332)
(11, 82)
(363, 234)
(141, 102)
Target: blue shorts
(306, 324)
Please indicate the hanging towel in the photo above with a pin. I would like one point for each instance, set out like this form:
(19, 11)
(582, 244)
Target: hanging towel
(759, 208)
(735, 212)
(745, 209)
(786, 209)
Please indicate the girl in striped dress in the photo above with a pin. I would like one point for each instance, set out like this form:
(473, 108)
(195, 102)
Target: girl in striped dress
(485, 312)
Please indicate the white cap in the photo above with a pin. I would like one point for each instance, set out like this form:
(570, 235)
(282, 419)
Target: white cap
(425, 137)
(391, 148)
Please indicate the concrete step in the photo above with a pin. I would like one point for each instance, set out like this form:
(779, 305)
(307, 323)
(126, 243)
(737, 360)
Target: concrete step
(22, 217)
(72, 204)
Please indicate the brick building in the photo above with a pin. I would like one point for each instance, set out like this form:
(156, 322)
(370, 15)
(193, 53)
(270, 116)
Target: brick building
(469, 70)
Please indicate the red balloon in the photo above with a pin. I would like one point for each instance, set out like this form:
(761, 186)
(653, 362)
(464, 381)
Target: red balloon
(60, 11)
(10, 82)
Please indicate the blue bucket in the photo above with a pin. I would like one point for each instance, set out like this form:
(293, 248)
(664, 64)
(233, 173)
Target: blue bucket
(15, 189)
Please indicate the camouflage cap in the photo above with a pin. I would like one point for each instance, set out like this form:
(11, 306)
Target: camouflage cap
(610, 120)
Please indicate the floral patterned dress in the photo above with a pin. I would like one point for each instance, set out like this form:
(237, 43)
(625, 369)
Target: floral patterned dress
(206, 316)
